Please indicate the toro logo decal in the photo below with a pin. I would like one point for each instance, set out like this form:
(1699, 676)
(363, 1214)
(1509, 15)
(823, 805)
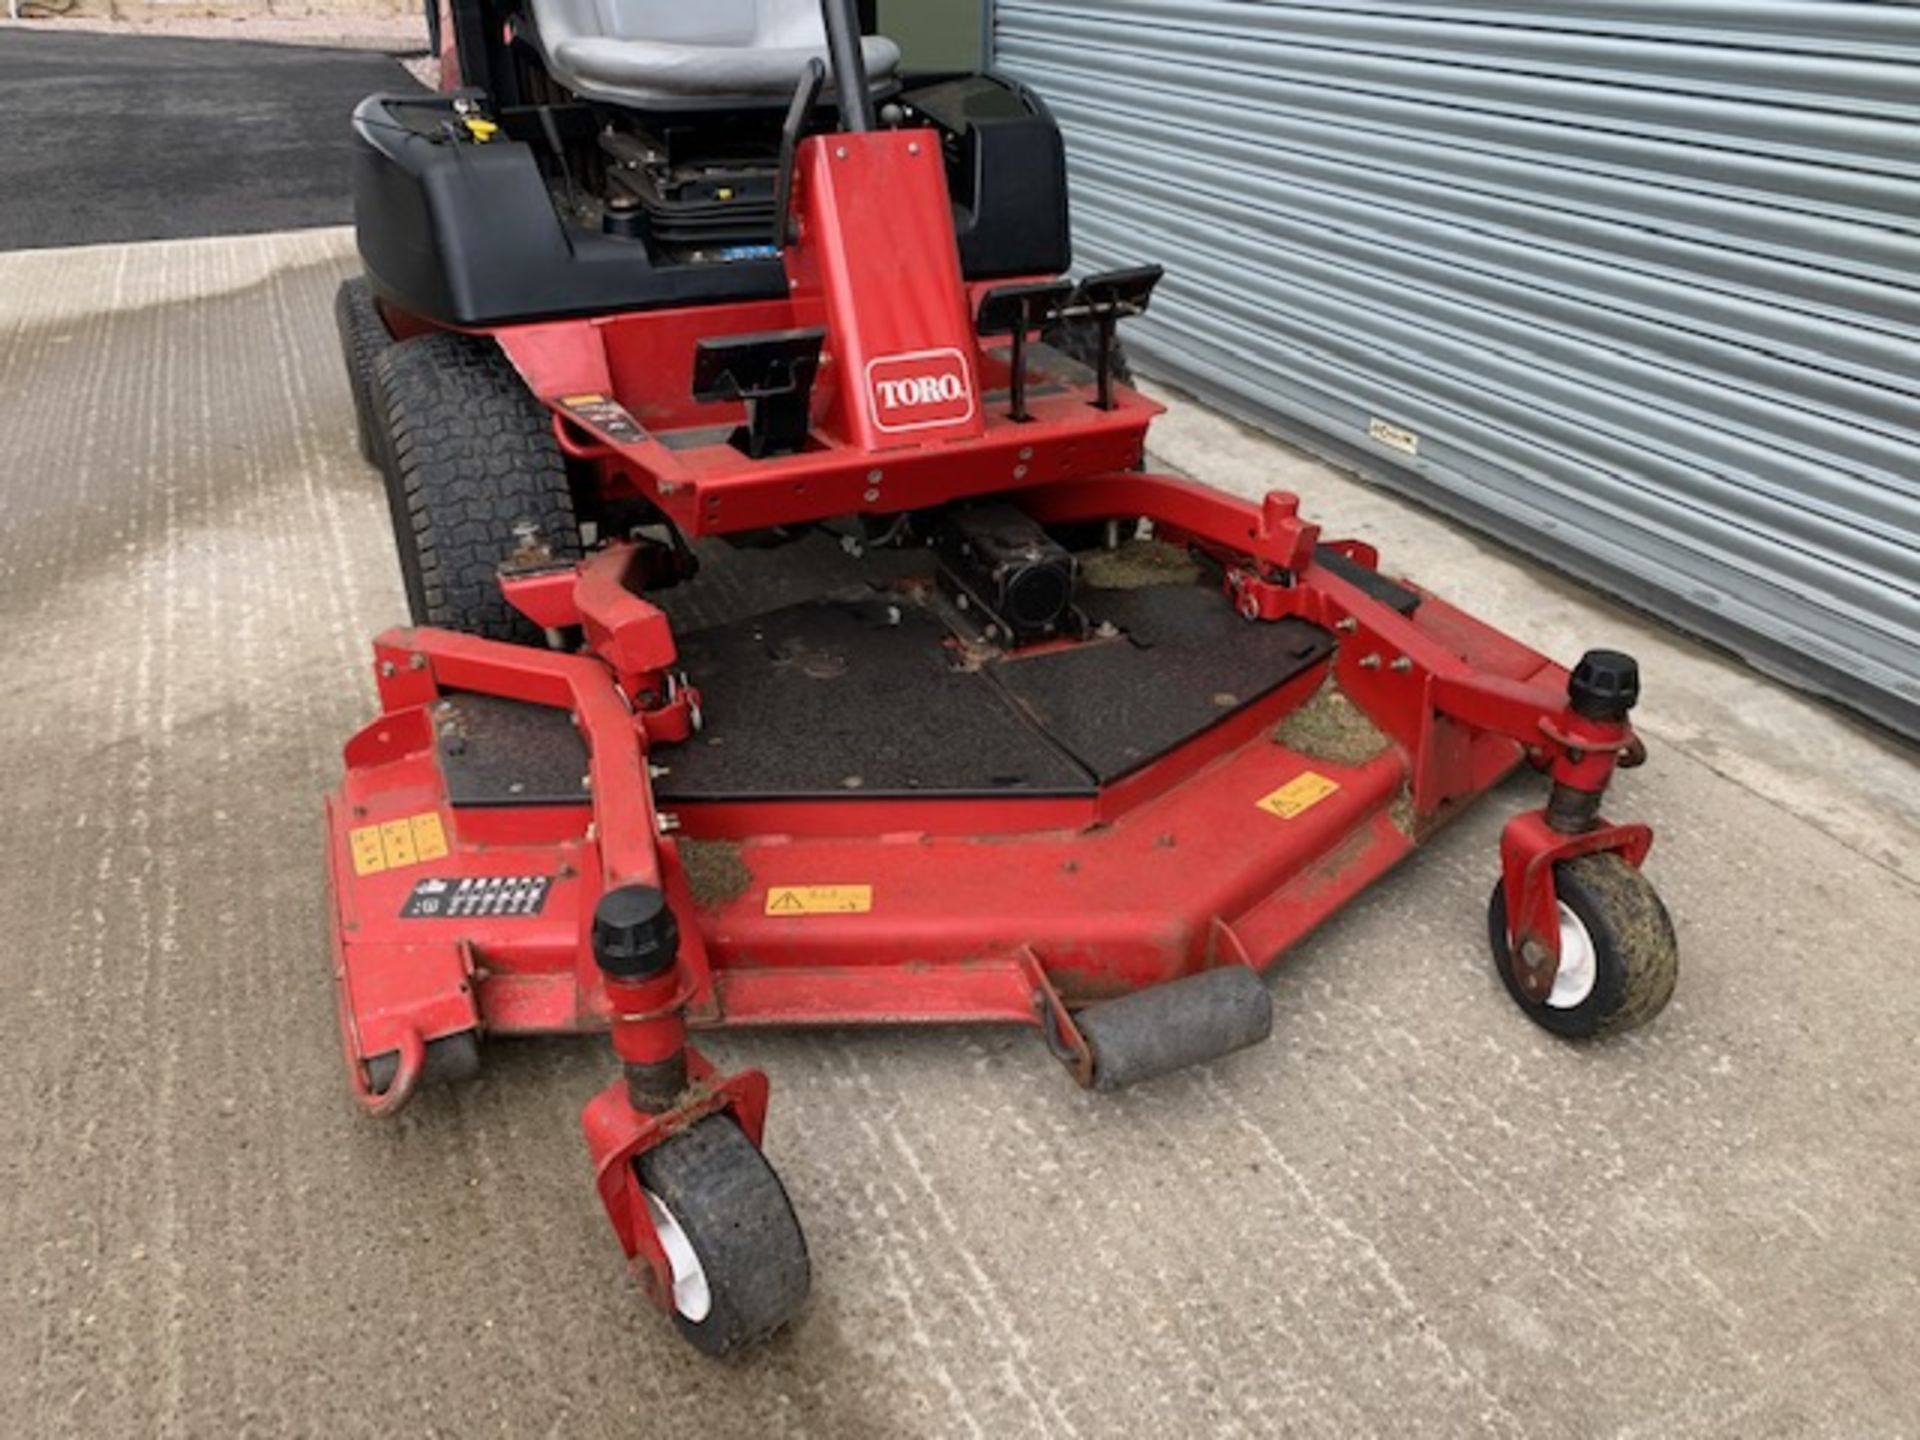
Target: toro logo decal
(919, 389)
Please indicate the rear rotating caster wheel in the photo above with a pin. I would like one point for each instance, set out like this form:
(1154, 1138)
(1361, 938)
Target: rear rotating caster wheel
(739, 1261)
(1618, 954)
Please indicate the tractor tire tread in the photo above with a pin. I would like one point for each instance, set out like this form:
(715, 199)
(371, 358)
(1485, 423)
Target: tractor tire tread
(1637, 950)
(737, 1216)
(1079, 339)
(1641, 932)
(478, 480)
(363, 336)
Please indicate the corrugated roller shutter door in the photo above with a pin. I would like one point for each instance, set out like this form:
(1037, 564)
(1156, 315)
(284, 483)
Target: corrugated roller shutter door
(1642, 278)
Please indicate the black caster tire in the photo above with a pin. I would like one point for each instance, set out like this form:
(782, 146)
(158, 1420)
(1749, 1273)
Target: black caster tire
(1619, 958)
(363, 335)
(739, 1260)
(475, 479)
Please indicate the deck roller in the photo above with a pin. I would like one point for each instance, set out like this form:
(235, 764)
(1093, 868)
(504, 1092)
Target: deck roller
(1168, 1027)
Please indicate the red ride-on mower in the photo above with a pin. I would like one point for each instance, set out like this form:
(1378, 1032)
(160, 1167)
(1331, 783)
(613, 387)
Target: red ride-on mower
(801, 643)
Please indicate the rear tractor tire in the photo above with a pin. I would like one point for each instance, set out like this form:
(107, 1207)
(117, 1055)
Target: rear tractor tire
(1619, 957)
(1079, 339)
(475, 481)
(363, 335)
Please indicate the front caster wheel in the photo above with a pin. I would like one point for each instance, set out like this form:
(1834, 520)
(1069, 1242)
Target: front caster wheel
(1618, 955)
(739, 1262)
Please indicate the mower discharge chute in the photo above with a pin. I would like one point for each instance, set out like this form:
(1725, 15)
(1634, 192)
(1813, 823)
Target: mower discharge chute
(801, 642)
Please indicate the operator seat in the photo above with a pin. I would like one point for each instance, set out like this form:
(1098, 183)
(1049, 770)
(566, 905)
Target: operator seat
(689, 54)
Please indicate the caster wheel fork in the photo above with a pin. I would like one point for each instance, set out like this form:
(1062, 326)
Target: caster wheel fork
(1581, 939)
(1619, 958)
(705, 1223)
(732, 1242)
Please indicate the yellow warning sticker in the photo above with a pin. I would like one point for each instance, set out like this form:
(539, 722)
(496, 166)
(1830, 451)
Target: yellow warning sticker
(819, 899)
(395, 844)
(368, 858)
(594, 398)
(1300, 794)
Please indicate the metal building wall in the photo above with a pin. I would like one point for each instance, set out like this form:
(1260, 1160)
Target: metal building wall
(1633, 282)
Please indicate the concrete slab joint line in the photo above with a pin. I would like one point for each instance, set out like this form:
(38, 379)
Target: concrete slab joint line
(1409, 1213)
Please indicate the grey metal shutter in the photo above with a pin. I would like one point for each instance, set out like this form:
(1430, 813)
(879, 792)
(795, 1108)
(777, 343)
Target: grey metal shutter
(1632, 283)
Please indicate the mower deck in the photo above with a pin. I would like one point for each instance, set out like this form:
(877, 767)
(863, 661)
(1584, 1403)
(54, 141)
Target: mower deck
(1188, 791)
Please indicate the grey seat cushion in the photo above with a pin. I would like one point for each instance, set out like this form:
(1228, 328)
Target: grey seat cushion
(683, 53)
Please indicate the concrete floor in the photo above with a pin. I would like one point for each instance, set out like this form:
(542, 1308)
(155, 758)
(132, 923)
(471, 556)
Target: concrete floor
(1411, 1212)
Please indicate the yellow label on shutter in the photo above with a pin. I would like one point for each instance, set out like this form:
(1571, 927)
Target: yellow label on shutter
(1394, 437)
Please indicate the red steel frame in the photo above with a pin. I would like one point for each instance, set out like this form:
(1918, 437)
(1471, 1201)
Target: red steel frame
(1008, 910)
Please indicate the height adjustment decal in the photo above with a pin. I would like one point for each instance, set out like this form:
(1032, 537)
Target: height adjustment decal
(477, 896)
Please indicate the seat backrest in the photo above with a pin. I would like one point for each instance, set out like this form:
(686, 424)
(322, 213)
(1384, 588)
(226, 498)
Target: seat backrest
(677, 22)
(684, 54)
(757, 24)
